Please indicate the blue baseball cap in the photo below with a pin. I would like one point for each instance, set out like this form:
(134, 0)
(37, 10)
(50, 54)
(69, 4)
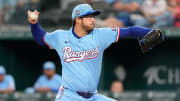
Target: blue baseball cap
(49, 65)
(83, 10)
(2, 70)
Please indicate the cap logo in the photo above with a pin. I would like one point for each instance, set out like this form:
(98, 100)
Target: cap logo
(77, 12)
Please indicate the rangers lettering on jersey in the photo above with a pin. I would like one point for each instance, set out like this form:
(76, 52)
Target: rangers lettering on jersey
(70, 55)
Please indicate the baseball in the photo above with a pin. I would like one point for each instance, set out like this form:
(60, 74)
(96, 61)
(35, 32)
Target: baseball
(33, 16)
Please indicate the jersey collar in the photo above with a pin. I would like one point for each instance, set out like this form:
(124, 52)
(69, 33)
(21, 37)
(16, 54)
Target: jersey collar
(76, 36)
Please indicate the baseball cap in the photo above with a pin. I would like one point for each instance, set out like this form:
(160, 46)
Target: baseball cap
(49, 65)
(83, 10)
(2, 70)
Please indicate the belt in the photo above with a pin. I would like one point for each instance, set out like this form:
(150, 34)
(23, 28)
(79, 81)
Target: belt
(83, 94)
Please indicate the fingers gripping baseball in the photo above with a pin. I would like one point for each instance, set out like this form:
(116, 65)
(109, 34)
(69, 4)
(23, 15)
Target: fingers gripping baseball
(33, 16)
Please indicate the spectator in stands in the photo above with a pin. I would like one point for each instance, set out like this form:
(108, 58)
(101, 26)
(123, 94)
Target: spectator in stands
(50, 81)
(124, 8)
(6, 10)
(7, 84)
(156, 14)
(174, 7)
(117, 87)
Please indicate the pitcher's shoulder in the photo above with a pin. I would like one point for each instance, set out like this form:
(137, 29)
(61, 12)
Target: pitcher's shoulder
(61, 31)
(101, 29)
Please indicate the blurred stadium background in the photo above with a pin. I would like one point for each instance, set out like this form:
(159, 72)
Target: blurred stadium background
(154, 76)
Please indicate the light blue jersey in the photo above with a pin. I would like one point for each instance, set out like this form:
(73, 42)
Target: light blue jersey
(43, 81)
(81, 58)
(7, 83)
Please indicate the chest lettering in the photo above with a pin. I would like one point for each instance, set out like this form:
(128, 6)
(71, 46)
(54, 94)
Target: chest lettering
(70, 55)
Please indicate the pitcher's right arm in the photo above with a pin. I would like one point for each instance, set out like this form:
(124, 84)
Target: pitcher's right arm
(37, 32)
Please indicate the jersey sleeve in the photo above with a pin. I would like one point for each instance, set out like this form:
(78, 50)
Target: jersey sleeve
(11, 82)
(38, 83)
(52, 39)
(57, 82)
(107, 36)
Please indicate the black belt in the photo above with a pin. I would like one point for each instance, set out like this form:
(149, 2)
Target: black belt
(83, 94)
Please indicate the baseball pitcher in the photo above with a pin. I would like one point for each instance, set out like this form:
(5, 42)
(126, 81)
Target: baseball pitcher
(80, 50)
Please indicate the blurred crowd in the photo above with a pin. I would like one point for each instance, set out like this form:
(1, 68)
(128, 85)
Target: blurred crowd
(148, 13)
(13, 11)
(123, 13)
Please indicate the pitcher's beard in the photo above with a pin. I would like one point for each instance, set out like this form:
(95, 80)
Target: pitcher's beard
(90, 30)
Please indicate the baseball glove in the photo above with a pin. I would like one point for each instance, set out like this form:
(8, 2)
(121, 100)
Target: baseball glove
(150, 40)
